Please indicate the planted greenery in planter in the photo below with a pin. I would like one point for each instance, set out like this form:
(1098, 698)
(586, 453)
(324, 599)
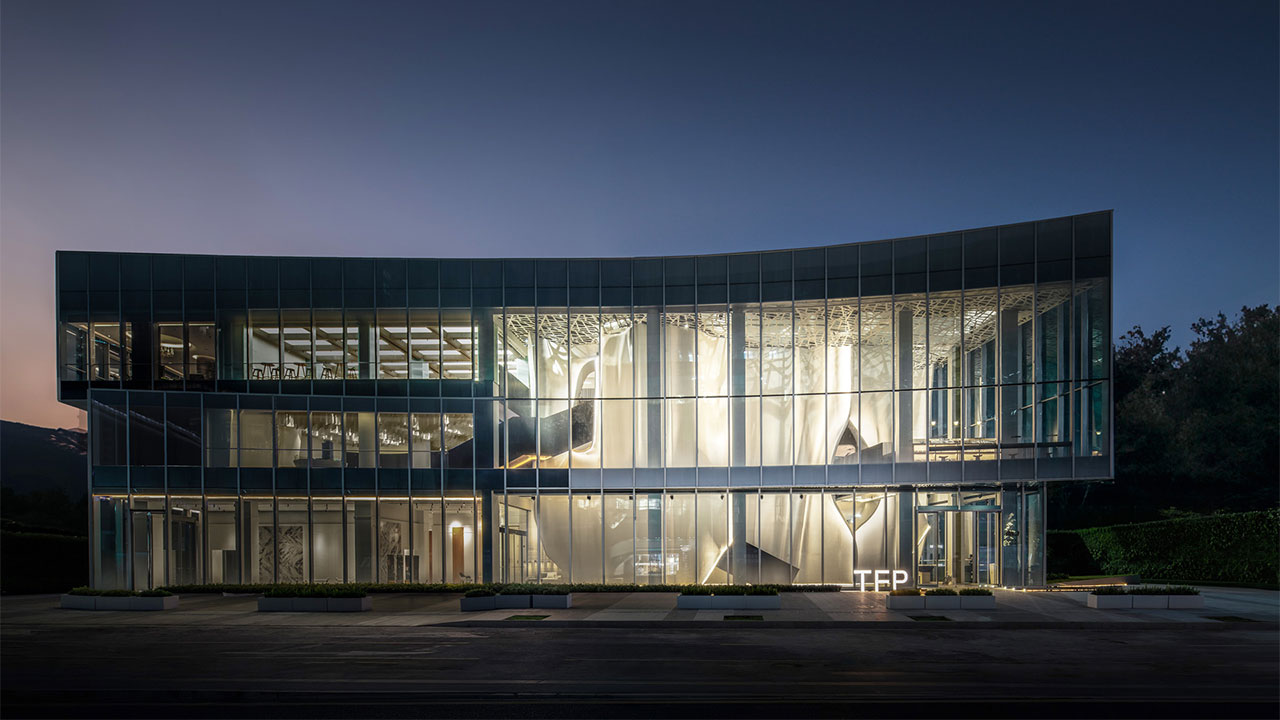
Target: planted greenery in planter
(426, 588)
(552, 596)
(941, 599)
(1110, 598)
(87, 598)
(478, 598)
(1147, 597)
(315, 598)
(315, 591)
(729, 597)
(904, 599)
(514, 596)
(977, 599)
(1158, 597)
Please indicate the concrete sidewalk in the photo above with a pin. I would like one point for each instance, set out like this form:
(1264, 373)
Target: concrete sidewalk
(1032, 609)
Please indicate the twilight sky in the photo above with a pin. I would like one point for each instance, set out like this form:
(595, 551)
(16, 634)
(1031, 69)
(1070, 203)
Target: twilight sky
(611, 128)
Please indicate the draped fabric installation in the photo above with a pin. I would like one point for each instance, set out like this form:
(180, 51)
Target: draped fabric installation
(801, 537)
(698, 420)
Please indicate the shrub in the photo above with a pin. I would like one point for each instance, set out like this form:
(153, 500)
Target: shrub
(1231, 547)
(974, 591)
(517, 589)
(83, 590)
(762, 590)
(116, 593)
(479, 592)
(1163, 590)
(509, 589)
(697, 590)
(729, 590)
(940, 591)
(1057, 576)
(155, 593)
(1111, 590)
(909, 592)
(316, 591)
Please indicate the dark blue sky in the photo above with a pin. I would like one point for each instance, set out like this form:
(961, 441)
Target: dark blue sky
(604, 128)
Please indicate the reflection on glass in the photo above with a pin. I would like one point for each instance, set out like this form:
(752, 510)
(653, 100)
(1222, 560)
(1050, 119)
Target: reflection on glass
(393, 440)
(619, 551)
(393, 345)
(291, 439)
(679, 538)
(295, 344)
(328, 343)
(588, 536)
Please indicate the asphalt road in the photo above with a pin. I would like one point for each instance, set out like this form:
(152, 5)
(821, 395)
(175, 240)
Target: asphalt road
(1219, 670)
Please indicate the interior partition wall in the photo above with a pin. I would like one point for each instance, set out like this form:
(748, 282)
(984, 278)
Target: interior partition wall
(794, 416)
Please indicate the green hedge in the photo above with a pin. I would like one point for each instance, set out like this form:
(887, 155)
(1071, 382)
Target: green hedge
(1230, 548)
(258, 588)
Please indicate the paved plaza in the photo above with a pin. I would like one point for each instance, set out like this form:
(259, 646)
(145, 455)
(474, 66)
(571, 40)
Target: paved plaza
(632, 655)
(408, 609)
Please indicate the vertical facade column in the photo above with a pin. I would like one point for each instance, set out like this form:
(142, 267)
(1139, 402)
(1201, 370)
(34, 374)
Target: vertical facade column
(653, 379)
(906, 359)
(737, 387)
(1009, 428)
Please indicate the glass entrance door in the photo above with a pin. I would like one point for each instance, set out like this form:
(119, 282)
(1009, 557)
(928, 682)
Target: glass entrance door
(931, 558)
(141, 545)
(518, 561)
(986, 554)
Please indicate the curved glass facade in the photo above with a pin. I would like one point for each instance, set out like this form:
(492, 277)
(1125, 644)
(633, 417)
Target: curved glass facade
(789, 416)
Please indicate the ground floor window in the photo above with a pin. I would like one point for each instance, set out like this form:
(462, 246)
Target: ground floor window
(934, 537)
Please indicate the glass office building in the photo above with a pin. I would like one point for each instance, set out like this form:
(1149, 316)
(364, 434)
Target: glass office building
(796, 416)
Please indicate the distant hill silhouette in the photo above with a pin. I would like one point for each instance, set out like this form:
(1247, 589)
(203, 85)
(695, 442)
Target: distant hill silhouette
(36, 458)
(42, 479)
(44, 528)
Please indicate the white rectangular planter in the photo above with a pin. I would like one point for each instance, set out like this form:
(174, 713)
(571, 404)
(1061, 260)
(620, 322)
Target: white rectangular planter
(513, 602)
(153, 603)
(267, 604)
(728, 602)
(309, 604)
(552, 601)
(904, 602)
(1110, 602)
(78, 602)
(941, 602)
(475, 604)
(97, 602)
(1186, 602)
(761, 602)
(274, 604)
(1150, 602)
(977, 602)
(361, 604)
(694, 602)
(111, 603)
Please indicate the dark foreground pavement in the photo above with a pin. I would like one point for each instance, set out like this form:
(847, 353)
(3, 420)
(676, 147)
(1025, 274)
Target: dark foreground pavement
(735, 671)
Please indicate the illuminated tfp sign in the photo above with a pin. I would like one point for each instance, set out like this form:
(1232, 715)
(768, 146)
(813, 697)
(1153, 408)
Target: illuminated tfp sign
(879, 577)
